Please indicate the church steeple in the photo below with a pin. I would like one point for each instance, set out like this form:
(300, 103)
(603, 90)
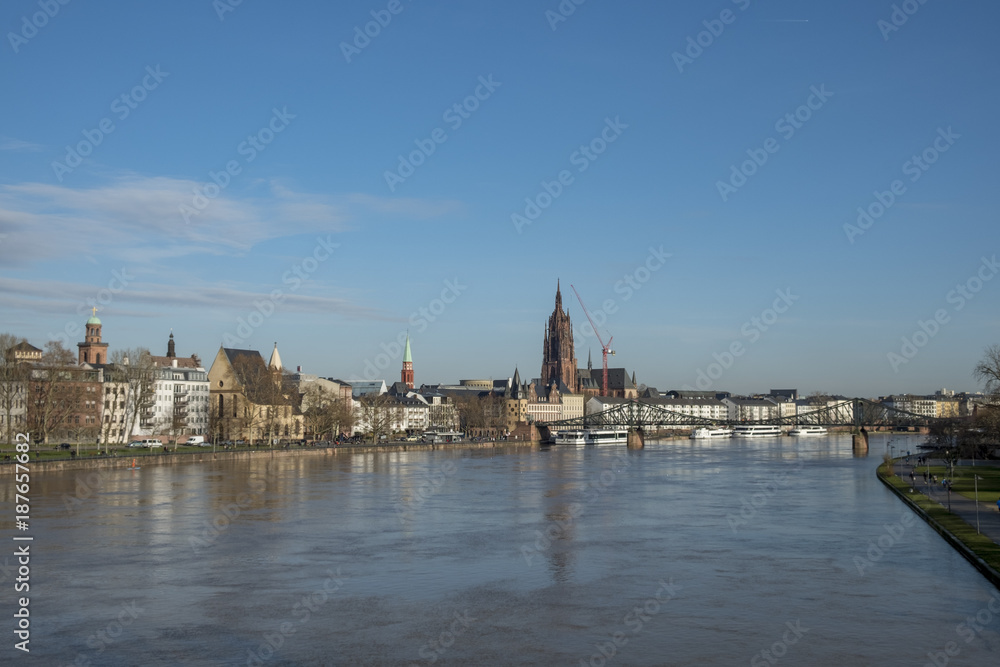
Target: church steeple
(590, 364)
(558, 298)
(92, 350)
(406, 375)
(170, 346)
(275, 364)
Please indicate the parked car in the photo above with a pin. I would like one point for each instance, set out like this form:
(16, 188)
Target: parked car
(64, 445)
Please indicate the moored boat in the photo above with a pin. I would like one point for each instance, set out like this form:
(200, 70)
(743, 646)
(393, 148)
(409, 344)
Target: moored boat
(808, 430)
(756, 431)
(703, 433)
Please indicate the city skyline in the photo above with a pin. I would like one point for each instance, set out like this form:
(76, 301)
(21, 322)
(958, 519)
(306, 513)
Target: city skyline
(805, 184)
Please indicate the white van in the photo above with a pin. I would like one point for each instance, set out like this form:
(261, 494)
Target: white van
(195, 441)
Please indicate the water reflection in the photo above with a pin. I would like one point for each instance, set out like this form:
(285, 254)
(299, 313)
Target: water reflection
(550, 551)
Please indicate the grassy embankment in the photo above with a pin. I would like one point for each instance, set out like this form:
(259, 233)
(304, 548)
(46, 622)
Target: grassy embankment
(982, 546)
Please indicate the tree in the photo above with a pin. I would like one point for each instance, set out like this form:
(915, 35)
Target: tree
(53, 395)
(138, 373)
(378, 412)
(13, 376)
(987, 371)
(113, 413)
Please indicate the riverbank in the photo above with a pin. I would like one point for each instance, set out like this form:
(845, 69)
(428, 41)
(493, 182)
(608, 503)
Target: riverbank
(979, 549)
(177, 458)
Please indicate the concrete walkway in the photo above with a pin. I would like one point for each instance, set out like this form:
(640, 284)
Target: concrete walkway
(989, 516)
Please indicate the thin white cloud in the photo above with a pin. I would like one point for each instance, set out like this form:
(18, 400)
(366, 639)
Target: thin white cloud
(11, 144)
(58, 297)
(134, 215)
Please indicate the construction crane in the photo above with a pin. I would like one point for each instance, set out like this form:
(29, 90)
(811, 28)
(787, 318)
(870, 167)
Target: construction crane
(605, 348)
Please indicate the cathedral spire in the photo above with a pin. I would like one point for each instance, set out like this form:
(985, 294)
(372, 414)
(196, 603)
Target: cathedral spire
(170, 346)
(558, 297)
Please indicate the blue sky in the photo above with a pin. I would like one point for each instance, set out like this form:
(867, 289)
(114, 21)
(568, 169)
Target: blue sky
(338, 260)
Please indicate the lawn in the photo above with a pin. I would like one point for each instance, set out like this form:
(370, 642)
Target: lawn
(983, 546)
(963, 483)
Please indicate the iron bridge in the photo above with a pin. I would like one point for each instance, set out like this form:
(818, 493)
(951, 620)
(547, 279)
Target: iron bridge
(854, 412)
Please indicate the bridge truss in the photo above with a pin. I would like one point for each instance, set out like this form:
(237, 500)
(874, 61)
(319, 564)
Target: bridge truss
(854, 412)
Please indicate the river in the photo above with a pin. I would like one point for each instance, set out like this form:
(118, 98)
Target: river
(736, 552)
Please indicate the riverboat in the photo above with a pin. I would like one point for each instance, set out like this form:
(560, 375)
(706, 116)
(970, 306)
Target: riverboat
(592, 436)
(703, 433)
(808, 430)
(756, 431)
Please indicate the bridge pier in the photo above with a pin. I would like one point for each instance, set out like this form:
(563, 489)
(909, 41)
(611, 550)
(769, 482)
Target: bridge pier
(636, 439)
(861, 443)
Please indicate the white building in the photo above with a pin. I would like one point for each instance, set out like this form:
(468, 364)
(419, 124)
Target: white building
(751, 409)
(180, 397)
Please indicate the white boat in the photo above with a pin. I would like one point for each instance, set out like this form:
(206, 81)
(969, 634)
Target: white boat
(808, 430)
(571, 437)
(701, 433)
(756, 431)
(592, 436)
(607, 436)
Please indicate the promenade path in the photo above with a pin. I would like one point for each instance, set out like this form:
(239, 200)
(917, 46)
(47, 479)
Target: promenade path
(989, 516)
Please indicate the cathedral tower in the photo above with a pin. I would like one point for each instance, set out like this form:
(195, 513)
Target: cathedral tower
(558, 357)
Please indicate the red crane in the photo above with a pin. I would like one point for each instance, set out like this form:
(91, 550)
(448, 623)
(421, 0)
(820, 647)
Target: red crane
(604, 348)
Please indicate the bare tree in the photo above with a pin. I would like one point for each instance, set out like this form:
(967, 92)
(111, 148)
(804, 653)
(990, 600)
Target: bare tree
(13, 376)
(138, 372)
(50, 392)
(257, 390)
(987, 371)
(378, 413)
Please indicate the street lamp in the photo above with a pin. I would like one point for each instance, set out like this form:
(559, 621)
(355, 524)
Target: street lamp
(951, 473)
(975, 482)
